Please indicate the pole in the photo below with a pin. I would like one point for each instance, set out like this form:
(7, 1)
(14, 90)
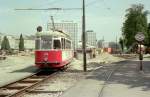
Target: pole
(83, 38)
(141, 66)
(116, 44)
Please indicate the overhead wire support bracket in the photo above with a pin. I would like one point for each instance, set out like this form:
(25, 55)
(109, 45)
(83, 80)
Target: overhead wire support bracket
(49, 9)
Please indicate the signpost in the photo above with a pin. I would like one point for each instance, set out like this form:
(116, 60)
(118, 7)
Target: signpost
(140, 37)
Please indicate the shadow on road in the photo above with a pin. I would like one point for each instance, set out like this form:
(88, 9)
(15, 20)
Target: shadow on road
(128, 74)
(30, 69)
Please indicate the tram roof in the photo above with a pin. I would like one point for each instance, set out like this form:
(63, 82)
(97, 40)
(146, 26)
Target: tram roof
(53, 33)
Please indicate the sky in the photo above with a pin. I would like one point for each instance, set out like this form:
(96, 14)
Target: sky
(105, 17)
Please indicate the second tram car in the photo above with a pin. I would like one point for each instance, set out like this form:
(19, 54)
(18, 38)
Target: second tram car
(53, 49)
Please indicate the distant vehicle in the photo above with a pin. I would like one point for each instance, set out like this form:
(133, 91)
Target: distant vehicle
(147, 50)
(142, 49)
(53, 49)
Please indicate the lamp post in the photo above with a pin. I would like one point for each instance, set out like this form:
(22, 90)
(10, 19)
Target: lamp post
(83, 38)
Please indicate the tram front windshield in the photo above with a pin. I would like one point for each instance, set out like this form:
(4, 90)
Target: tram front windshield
(46, 42)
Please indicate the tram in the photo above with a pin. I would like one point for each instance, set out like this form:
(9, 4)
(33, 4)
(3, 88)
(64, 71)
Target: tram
(53, 49)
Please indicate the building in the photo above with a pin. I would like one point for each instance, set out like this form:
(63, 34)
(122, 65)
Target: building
(70, 27)
(91, 38)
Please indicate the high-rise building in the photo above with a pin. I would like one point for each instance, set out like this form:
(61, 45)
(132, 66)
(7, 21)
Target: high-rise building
(91, 38)
(69, 27)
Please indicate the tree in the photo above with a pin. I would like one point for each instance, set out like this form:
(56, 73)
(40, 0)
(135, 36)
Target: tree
(5, 44)
(121, 44)
(21, 43)
(136, 21)
(148, 33)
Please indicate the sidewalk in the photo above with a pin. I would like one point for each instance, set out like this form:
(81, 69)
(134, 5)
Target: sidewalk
(126, 82)
(15, 68)
(85, 88)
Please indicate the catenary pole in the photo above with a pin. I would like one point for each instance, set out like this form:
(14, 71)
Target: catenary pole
(83, 38)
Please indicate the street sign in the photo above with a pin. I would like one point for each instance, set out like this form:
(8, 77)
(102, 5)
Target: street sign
(140, 36)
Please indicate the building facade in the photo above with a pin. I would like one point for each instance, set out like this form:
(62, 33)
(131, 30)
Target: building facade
(69, 27)
(91, 38)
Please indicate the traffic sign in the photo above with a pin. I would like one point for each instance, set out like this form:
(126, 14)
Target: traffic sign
(140, 36)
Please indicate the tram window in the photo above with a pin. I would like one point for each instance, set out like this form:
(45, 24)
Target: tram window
(68, 44)
(57, 44)
(37, 44)
(46, 42)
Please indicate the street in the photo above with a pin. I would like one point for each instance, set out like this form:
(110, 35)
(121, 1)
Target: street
(118, 79)
(128, 81)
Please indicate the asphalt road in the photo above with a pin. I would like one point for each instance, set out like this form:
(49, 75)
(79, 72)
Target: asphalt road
(128, 81)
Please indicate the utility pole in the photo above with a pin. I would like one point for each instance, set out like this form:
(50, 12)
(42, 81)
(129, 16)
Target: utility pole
(141, 57)
(83, 38)
(116, 44)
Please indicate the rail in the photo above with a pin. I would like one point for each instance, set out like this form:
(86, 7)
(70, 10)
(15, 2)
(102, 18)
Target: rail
(18, 88)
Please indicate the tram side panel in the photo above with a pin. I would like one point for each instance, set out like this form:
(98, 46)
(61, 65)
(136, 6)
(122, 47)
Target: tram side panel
(67, 56)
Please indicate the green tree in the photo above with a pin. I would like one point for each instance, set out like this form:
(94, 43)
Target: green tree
(148, 33)
(136, 21)
(5, 44)
(21, 43)
(121, 44)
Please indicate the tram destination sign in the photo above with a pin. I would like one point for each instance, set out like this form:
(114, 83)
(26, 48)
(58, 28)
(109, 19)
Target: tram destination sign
(139, 36)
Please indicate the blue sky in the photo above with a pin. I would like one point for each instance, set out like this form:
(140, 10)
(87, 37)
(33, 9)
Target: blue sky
(105, 17)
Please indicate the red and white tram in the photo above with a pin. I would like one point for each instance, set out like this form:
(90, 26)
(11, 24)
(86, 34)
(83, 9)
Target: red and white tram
(53, 49)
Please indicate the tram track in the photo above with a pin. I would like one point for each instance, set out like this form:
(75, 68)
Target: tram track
(18, 88)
